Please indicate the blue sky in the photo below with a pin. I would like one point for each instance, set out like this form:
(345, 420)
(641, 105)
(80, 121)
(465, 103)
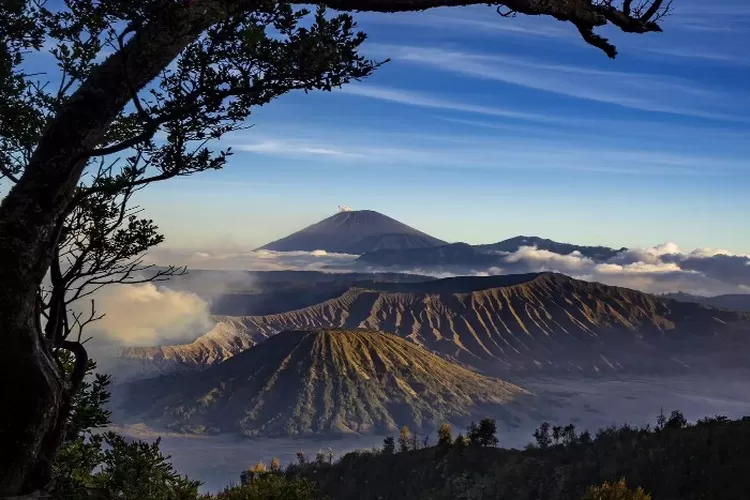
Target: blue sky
(482, 128)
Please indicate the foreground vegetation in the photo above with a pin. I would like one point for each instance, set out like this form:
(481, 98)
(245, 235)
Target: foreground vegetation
(673, 460)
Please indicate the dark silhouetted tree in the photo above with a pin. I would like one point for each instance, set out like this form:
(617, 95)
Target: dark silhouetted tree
(486, 433)
(389, 445)
(569, 434)
(676, 420)
(556, 433)
(460, 442)
(542, 436)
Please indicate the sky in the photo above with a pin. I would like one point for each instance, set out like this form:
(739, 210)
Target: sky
(482, 128)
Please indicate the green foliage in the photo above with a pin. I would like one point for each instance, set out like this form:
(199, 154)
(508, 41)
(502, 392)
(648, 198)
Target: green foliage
(445, 438)
(615, 491)
(104, 466)
(137, 470)
(701, 461)
(269, 487)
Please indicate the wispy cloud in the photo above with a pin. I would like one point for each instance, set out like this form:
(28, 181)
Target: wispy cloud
(653, 93)
(569, 153)
(293, 148)
(423, 100)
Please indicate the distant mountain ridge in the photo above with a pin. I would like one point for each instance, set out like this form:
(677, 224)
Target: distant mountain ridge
(516, 323)
(323, 382)
(598, 253)
(464, 257)
(730, 302)
(354, 232)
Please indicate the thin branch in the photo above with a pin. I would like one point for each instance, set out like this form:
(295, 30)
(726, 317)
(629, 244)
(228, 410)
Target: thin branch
(7, 173)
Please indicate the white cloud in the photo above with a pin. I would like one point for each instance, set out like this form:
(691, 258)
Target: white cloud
(258, 260)
(420, 99)
(293, 148)
(549, 260)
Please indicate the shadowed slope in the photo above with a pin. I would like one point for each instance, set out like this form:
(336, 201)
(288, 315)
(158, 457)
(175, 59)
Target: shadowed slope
(354, 232)
(516, 322)
(325, 381)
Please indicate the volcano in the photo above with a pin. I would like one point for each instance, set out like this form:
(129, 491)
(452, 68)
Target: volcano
(354, 232)
(326, 381)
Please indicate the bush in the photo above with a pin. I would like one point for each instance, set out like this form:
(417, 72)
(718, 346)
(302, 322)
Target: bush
(615, 491)
(269, 487)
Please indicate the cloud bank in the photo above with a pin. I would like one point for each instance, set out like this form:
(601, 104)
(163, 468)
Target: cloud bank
(662, 268)
(164, 313)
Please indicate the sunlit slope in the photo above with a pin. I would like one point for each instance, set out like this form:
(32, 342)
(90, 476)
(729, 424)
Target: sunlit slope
(320, 382)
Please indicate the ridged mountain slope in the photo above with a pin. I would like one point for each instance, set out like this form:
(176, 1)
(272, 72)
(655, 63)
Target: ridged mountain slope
(354, 232)
(515, 322)
(321, 382)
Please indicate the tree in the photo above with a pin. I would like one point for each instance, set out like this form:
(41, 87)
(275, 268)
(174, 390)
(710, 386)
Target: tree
(414, 442)
(542, 436)
(403, 439)
(275, 465)
(569, 434)
(258, 468)
(269, 487)
(676, 420)
(445, 438)
(483, 434)
(615, 491)
(556, 433)
(105, 465)
(189, 70)
(389, 445)
(460, 442)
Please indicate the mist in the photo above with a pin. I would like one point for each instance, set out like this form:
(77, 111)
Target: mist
(146, 314)
(590, 403)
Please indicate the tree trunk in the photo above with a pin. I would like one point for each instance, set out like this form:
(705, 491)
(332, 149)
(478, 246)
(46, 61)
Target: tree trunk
(35, 402)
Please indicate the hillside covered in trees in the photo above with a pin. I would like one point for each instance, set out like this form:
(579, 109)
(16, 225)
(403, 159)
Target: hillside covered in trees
(673, 460)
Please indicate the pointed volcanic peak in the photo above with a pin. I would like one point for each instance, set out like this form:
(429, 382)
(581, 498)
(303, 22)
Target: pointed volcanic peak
(354, 232)
(325, 382)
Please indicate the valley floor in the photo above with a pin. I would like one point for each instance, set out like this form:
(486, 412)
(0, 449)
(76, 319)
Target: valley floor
(588, 403)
